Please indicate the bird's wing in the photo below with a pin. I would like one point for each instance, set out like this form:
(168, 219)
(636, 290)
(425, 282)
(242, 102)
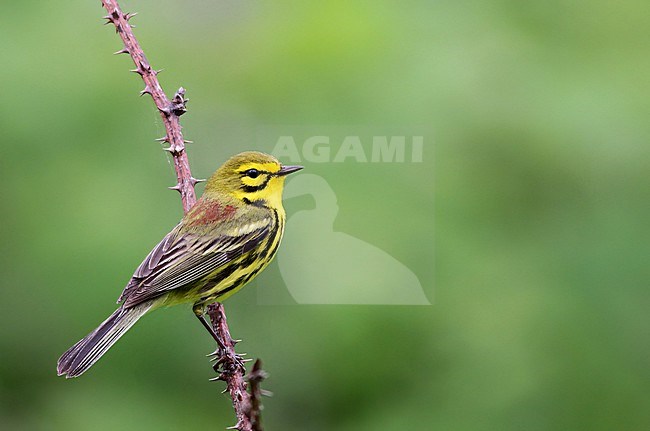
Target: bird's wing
(182, 258)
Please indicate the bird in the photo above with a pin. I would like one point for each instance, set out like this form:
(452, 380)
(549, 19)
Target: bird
(228, 237)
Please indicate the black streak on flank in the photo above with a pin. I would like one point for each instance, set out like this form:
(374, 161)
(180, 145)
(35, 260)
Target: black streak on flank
(237, 283)
(222, 275)
(248, 260)
(278, 225)
(241, 280)
(275, 248)
(267, 247)
(252, 274)
(263, 253)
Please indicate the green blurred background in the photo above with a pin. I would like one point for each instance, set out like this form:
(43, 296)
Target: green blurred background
(529, 217)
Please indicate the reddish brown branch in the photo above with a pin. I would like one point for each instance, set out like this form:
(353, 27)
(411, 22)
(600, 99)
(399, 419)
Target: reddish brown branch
(229, 365)
(255, 378)
(170, 111)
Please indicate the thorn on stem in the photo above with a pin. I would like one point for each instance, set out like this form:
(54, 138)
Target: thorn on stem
(143, 65)
(172, 149)
(147, 90)
(121, 51)
(221, 376)
(237, 426)
(178, 102)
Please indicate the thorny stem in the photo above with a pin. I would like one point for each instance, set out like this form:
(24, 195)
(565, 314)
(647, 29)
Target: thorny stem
(229, 365)
(255, 378)
(170, 111)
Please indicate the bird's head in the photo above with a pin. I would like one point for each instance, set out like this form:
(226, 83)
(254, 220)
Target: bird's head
(252, 177)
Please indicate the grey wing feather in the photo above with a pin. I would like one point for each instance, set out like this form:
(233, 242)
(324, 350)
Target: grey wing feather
(180, 259)
(161, 254)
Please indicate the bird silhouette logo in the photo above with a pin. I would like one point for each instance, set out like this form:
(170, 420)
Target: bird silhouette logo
(322, 266)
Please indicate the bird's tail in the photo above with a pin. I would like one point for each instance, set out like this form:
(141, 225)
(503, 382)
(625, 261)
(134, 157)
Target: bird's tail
(87, 351)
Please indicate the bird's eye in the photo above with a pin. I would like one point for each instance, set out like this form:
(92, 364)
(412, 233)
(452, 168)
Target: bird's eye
(252, 173)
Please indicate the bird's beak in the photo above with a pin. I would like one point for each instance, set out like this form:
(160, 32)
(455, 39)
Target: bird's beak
(286, 170)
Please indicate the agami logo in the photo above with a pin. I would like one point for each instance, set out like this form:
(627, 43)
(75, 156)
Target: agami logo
(377, 149)
(318, 264)
(322, 266)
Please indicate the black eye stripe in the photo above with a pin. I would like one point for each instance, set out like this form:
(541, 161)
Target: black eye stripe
(253, 189)
(253, 173)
